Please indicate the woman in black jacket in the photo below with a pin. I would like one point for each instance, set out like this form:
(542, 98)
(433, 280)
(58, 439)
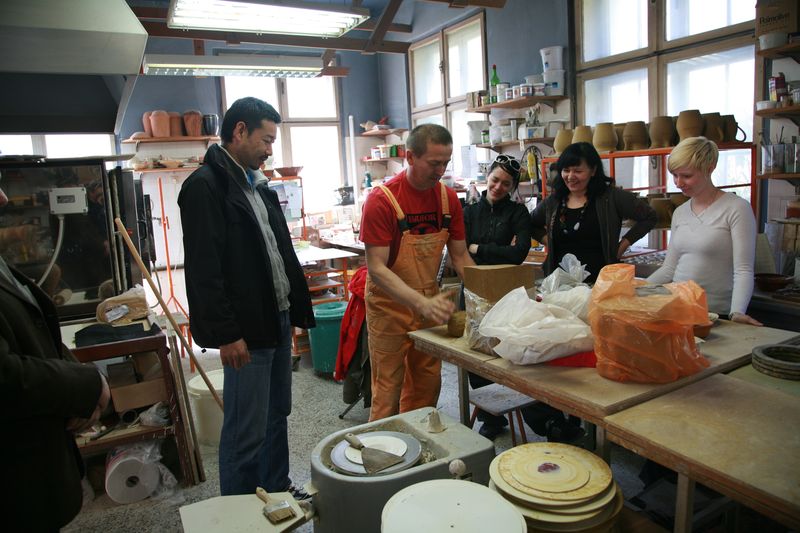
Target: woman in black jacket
(498, 232)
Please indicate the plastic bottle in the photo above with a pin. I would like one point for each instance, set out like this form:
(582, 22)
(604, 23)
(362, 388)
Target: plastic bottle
(473, 195)
(494, 80)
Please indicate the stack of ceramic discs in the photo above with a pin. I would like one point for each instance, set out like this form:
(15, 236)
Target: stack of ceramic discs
(778, 360)
(557, 487)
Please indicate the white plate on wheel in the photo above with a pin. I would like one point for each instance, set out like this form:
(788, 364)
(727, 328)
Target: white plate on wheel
(385, 443)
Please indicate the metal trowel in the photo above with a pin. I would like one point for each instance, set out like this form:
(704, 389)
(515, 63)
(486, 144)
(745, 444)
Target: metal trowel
(374, 460)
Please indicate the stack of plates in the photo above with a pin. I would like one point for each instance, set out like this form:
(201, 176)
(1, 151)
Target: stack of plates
(557, 487)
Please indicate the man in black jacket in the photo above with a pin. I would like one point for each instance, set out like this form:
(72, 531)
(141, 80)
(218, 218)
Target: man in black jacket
(45, 395)
(246, 290)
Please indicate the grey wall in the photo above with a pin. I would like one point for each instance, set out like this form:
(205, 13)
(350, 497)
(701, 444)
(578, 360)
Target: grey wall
(359, 91)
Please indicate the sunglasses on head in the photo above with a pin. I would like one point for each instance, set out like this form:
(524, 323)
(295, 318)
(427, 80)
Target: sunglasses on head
(508, 163)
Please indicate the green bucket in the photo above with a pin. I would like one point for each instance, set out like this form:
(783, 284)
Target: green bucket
(324, 338)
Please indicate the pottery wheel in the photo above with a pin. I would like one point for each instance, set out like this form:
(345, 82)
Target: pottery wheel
(526, 468)
(343, 464)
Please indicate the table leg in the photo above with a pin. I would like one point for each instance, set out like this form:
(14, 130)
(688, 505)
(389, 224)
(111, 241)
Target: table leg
(463, 396)
(602, 445)
(684, 504)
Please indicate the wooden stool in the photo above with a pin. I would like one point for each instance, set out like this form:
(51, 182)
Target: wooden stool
(499, 400)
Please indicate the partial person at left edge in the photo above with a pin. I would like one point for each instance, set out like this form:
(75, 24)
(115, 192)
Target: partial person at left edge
(45, 397)
(246, 290)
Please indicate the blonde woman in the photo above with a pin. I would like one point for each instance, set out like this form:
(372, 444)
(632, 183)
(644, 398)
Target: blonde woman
(713, 237)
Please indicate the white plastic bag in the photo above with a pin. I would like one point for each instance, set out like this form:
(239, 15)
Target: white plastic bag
(570, 273)
(575, 299)
(532, 332)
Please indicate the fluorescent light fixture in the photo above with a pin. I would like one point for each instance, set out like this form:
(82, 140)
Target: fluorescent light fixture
(265, 16)
(232, 65)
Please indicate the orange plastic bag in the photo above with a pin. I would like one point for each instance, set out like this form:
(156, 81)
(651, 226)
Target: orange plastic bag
(645, 335)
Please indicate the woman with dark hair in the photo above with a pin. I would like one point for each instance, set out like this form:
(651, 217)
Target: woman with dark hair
(584, 214)
(498, 232)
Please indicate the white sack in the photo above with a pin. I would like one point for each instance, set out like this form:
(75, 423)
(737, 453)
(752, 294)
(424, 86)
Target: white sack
(575, 299)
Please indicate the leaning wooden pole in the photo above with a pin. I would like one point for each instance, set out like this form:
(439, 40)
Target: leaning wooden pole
(136, 257)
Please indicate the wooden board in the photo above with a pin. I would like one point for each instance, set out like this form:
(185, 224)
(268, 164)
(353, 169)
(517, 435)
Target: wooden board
(750, 374)
(582, 391)
(737, 437)
(233, 514)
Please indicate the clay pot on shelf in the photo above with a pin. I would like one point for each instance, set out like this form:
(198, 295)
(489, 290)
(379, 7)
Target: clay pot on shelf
(211, 125)
(582, 134)
(732, 128)
(193, 122)
(562, 140)
(619, 129)
(175, 124)
(662, 131)
(605, 138)
(663, 208)
(148, 128)
(635, 135)
(714, 128)
(690, 124)
(159, 122)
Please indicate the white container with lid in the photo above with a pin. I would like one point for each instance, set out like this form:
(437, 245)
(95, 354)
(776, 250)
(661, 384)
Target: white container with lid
(552, 58)
(207, 414)
(554, 82)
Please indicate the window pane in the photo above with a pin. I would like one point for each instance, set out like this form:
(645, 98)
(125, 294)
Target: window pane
(690, 17)
(16, 145)
(612, 27)
(463, 47)
(714, 82)
(240, 86)
(430, 119)
(317, 149)
(460, 132)
(427, 77)
(78, 145)
(617, 98)
(311, 97)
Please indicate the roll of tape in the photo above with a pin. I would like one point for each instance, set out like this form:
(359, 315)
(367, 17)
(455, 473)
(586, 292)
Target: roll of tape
(129, 479)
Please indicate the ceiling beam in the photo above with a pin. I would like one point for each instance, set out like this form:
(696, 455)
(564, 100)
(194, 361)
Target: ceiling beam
(383, 25)
(156, 29)
(370, 24)
(473, 3)
(328, 56)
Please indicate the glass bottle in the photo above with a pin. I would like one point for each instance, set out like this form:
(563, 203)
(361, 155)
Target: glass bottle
(494, 80)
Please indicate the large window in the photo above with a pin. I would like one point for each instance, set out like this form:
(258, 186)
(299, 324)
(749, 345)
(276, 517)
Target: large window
(58, 145)
(439, 86)
(309, 134)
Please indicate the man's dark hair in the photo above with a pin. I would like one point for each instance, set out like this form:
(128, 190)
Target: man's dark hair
(420, 136)
(572, 156)
(249, 110)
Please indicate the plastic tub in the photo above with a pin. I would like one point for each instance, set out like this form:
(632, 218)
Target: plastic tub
(552, 58)
(554, 82)
(324, 338)
(206, 412)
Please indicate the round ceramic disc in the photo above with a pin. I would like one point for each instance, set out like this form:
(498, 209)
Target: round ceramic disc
(554, 514)
(515, 460)
(548, 472)
(385, 443)
(600, 522)
(345, 466)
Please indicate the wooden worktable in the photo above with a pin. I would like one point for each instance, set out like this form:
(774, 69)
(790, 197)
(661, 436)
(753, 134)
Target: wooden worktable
(739, 438)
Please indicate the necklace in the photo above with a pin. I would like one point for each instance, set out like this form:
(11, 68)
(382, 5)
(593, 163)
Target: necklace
(563, 216)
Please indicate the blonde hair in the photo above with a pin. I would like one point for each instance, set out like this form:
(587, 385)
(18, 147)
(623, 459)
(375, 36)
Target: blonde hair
(695, 152)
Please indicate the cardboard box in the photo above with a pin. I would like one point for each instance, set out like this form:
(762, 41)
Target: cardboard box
(492, 282)
(141, 394)
(776, 16)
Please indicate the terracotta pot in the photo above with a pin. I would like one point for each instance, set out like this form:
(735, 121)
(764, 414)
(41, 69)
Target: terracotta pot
(635, 135)
(605, 138)
(562, 140)
(175, 124)
(619, 129)
(662, 131)
(193, 121)
(690, 124)
(663, 208)
(582, 134)
(714, 128)
(148, 129)
(677, 198)
(159, 121)
(731, 128)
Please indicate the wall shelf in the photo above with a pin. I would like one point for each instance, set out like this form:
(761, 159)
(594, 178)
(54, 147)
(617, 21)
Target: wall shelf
(383, 133)
(779, 176)
(519, 103)
(787, 50)
(791, 112)
(208, 139)
(505, 144)
(382, 159)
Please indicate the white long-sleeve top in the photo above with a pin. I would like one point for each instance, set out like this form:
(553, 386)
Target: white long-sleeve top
(716, 249)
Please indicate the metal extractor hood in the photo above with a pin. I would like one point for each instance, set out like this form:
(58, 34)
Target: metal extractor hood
(70, 37)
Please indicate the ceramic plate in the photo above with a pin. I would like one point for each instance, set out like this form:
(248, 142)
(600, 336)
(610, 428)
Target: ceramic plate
(384, 443)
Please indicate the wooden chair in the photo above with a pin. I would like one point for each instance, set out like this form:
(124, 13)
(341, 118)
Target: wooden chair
(499, 400)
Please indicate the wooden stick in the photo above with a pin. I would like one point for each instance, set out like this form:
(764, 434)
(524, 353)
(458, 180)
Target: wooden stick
(135, 254)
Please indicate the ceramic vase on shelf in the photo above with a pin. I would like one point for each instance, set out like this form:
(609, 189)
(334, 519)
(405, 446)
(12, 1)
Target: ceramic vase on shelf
(731, 128)
(193, 122)
(211, 125)
(662, 131)
(159, 121)
(582, 134)
(619, 129)
(562, 140)
(175, 124)
(635, 135)
(605, 138)
(690, 124)
(713, 127)
(148, 128)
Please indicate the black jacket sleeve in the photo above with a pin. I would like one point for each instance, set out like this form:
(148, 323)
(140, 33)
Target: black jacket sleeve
(539, 221)
(515, 254)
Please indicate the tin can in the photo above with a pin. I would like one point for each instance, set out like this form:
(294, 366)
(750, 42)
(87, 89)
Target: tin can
(515, 91)
(526, 89)
(485, 136)
(509, 94)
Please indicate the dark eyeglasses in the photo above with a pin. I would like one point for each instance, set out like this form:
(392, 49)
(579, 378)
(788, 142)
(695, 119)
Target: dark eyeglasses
(508, 163)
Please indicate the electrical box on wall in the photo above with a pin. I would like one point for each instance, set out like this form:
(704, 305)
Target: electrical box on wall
(68, 201)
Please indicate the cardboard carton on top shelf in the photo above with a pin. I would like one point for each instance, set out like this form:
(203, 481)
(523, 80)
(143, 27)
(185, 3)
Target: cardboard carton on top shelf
(492, 282)
(776, 16)
(138, 395)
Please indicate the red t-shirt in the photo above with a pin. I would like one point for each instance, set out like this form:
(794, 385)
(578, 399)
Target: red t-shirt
(423, 210)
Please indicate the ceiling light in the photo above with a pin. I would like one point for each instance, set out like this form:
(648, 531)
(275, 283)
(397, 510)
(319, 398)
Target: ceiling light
(238, 65)
(265, 16)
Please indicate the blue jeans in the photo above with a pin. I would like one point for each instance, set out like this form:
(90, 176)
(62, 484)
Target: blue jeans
(254, 445)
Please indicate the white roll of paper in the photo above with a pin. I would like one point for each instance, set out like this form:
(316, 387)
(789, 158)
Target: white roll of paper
(130, 479)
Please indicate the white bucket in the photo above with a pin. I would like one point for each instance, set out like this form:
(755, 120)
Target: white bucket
(554, 82)
(551, 58)
(206, 412)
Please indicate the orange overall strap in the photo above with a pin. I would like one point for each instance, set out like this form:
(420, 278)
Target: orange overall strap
(445, 207)
(401, 217)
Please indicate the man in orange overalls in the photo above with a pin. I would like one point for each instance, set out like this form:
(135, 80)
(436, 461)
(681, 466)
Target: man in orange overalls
(405, 226)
